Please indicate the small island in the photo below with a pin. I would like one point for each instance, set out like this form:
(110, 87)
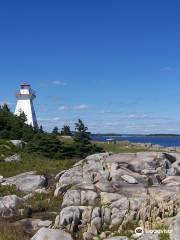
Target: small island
(162, 135)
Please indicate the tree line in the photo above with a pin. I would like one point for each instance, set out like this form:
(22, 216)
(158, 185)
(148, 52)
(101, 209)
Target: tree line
(65, 131)
(48, 144)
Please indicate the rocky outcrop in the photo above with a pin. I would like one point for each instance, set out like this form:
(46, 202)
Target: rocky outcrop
(107, 191)
(103, 196)
(51, 234)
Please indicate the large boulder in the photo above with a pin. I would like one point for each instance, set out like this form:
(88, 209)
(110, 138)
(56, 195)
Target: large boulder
(149, 236)
(97, 156)
(8, 204)
(51, 234)
(174, 228)
(13, 158)
(26, 182)
(172, 181)
(18, 143)
(69, 218)
(79, 197)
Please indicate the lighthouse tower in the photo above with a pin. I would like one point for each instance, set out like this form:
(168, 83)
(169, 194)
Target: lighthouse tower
(25, 99)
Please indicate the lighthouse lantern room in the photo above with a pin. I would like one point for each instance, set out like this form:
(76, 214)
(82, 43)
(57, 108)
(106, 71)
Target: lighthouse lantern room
(24, 104)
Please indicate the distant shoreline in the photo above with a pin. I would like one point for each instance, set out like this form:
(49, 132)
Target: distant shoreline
(134, 135)
(162, 135)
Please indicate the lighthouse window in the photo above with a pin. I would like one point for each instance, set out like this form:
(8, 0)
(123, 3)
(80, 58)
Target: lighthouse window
(24, 87)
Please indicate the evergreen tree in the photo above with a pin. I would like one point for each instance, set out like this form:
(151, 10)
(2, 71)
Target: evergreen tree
(66, 131)
(23, 117)
(82, 139)
(14, 127)
(41, 129)
(5, 108)
(55, 131)
(81, 135)
(45, 144)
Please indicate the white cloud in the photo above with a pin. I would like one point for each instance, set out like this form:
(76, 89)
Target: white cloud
(77, 107)
(63, 108)
(56, 119)
(137, 115)
(81, 106)
(61, 83)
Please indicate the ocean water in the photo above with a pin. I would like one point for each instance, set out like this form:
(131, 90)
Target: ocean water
(166, 141)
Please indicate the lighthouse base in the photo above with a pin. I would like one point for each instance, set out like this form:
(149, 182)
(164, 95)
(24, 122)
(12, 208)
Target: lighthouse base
(26, 106)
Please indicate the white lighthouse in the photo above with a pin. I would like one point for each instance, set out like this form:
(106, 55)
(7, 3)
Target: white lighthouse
(24, 104)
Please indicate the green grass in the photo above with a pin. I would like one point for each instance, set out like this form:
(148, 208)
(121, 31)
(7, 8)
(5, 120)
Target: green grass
(8, 232)
(66, 140)
(128, 228)
(9, 190)
(109, 147)
(118, 148)
(47, 202)
(163, 235)
(32, 162)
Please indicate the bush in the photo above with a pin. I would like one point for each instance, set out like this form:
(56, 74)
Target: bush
(45, 144)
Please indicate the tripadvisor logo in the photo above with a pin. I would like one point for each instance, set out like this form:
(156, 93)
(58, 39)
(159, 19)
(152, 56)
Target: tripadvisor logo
(139, 231)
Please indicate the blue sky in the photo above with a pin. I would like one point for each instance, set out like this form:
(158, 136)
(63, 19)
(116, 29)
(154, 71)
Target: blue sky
(114, 64)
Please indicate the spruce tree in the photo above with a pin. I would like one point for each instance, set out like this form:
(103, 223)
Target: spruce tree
(55, 131)
(82, 139)
(66, 131)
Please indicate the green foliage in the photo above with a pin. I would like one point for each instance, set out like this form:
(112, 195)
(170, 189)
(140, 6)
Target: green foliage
(9, 190)
(81, 135)
(5, 108)
(127, 229)
(7, 149)
(48, 145)
(118, 148)
(45, 202)
(55, 131)
(164, 235)
(45, 144)
(34, 162)
(82, 139)
(14, 127)
(41, 129)
(66, 131)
